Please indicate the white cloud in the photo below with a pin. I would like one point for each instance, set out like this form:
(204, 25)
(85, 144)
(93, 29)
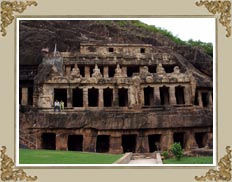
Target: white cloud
(186, 28)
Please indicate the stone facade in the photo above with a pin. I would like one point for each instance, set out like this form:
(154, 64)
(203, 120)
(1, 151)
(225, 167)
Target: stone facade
(119, 98)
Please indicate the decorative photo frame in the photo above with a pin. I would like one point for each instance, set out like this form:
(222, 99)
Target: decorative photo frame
(224, 165)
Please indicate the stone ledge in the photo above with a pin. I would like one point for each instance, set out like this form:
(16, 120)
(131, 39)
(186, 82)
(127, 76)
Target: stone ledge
(124, 159)
(158, 158)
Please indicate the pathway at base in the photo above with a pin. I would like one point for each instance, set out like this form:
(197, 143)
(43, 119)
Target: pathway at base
(143, 161)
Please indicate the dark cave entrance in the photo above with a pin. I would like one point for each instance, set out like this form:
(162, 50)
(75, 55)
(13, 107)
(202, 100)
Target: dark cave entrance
(103, 143)
(93, 97)
(75, 142)
(60, 94)
(128, 143)
(148, 96)
(123, 97)
(179, 92)
(49, 141)
(108, 97)
(201, 139)
(164, 95)
(154, 142)
(77, 97)
(179, 138)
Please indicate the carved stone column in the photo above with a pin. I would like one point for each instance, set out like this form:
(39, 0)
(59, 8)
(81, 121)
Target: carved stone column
(200, 99)
(69, 97)
(24, 100)
(210, 98)
(142, 145)
(187, 97)
(100, 99)
(141, 99)
(172, 96)
(89, 140)
(157, 96)
(87, 72)
(61, 141)
(115, 97)
(166, 140)
(85, 97)
(190, 140)
(106, 71)
(116, 144)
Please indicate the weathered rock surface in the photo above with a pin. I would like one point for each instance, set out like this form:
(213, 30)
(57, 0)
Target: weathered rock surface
(35, 35)
(103, 120)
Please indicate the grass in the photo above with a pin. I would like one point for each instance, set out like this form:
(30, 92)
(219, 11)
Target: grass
(27, 156)
(190, 160)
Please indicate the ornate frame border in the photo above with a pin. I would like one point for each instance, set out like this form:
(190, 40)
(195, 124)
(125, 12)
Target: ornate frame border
(8, 171)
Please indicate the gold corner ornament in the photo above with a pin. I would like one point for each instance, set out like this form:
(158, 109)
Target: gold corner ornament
(221, 7)
(224, 169)
(7, 9)
(8, 169)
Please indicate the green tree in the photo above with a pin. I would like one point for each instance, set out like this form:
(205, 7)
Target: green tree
(177, 151)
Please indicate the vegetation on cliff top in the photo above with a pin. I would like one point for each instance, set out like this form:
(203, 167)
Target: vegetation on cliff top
(207, 47)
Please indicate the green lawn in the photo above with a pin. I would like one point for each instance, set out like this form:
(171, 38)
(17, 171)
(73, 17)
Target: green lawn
(27, 156)
(190, 160)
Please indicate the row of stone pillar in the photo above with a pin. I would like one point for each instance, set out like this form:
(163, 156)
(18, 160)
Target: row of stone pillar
(156, 96)
(115, 143)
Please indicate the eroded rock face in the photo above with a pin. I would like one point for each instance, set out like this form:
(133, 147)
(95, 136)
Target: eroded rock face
(35, 35)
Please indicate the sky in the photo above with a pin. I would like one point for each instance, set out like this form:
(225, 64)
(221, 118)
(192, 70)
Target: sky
(202, 29)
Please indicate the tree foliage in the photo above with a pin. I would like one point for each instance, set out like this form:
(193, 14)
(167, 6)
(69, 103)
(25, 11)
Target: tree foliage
(177, 150)
(207, 47)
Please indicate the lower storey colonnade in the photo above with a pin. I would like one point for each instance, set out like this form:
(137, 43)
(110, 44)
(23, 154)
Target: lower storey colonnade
(90, 140)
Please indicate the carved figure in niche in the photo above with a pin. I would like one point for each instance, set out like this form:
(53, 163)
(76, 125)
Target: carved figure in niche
(145, 72)
(118, 71)
(176, 70)
(96, 72)
(68, 70)
(135, 91)
(160, 69)
(75, 72)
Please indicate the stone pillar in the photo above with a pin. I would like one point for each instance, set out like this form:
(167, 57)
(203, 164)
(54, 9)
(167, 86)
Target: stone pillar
(61, 141)
(124, 71)
(39, 140)
(24, 100)
(115, 97)
(209, 140)
(172, 96)
(157, 96)
(142, 145)
(89, 140)
(100, 98)
(106, 71)
(35, 99)
(87, 72)
(85, 97)
(190, 142)
(69, 97)
(166, 140)
(187, 98)
(200, 99)
(210, 98)
(116, 144)
(141, 99)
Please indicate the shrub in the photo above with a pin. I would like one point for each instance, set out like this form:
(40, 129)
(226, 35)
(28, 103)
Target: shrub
(165, 154)
(177, 151)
